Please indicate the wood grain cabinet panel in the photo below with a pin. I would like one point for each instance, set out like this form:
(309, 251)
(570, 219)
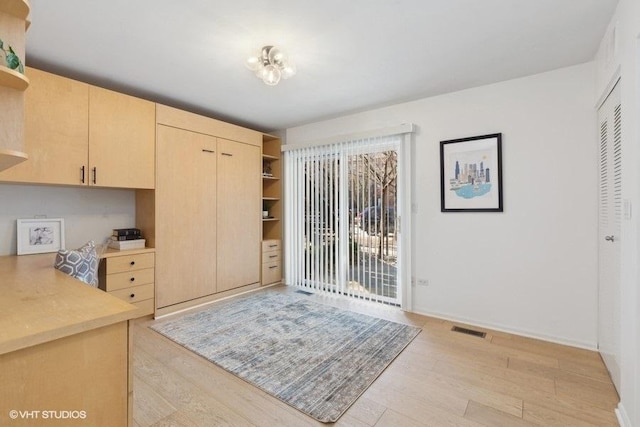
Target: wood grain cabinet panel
(121, 140)
(239, 214)
(271, 261)
(56, 131)
(85, 372)
(185, 216)
(77, 134)
(130, 277)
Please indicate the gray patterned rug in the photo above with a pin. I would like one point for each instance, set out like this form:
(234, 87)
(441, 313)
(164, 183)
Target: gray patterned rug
(316, 358)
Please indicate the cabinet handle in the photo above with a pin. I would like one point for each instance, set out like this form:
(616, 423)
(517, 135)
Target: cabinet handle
(95, 174)
(133, 279)
(273, 246)
(82, 174)
(132, 295)
(273, 266)
(273, 256)
(227, 154)
(204, 150)
(132, 263)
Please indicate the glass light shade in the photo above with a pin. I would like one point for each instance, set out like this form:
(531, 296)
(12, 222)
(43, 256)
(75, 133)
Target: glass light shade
(289, 70)
(253, 63)
(276, 56)
(271, 75)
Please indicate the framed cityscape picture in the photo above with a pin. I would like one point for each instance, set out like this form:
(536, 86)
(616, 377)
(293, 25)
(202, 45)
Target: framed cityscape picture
(471, 174)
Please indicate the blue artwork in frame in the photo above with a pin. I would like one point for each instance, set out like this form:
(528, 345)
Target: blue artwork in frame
(471, 174)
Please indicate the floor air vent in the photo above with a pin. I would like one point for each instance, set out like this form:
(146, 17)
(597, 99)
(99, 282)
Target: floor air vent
(469, 331)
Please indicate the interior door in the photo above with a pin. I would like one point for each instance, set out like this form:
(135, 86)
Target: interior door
(186, 208)
(609, 218)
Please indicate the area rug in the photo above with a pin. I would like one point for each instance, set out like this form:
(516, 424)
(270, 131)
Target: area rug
(316, 358)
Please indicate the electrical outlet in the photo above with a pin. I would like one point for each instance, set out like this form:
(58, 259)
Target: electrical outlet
(423, 282)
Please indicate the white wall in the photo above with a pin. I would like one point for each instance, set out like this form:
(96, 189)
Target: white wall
(89, 213)
(620, 55)
(532, 268)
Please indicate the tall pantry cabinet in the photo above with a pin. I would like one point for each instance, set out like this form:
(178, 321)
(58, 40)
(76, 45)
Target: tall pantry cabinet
(186, 215)
(239, 222)
(207, 209)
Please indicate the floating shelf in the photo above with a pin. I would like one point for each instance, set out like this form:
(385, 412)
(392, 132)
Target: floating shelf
(13, 79)
(270, 157)
(10, 158)
(271, 199)
(270, 219)
(18, 8)
(270, 177)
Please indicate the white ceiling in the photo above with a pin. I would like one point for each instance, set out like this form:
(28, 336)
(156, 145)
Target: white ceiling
(351, 55)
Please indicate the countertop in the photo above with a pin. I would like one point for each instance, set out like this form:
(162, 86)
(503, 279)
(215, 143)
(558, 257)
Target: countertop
(39, 304)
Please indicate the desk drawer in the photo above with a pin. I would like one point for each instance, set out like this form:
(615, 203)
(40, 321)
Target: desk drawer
(135, 293)
(271, 256)
(117, 281)
(119, 264)
(146, 307)
(271, 272)
(271, 245)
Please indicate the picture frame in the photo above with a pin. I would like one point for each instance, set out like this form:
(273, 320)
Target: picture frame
(40, 235)
(471, 174)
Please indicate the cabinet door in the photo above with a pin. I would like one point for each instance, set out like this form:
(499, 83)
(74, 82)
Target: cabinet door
(121, 140)
(185, 216)
(239, 214)
(56, 134)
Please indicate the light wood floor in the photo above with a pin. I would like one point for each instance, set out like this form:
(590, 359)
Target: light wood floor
(442, 378)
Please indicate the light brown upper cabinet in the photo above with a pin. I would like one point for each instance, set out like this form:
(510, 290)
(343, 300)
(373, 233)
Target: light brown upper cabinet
(77, 134)
(56, 131)
(121, 140)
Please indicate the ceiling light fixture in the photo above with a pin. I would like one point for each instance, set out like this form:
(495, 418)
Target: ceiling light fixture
(271, 65)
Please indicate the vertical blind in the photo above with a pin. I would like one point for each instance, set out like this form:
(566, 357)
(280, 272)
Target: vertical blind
(342, 210)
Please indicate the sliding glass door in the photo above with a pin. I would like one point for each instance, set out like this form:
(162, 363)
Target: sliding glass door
(343, 218)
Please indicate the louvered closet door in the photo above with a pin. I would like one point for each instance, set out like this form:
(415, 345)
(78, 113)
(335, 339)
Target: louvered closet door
(609, 217)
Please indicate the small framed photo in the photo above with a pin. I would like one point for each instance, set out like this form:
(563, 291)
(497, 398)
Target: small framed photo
(471, 174)
(41, 235)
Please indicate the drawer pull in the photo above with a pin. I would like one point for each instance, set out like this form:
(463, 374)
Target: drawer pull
(133, 279)
(132, 295)
(273, 246)
(273, 266)
(273, 256)
(132, 263)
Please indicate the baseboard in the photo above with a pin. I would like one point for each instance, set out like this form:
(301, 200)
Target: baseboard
(510, 330)
(623, 417)
(203, 301)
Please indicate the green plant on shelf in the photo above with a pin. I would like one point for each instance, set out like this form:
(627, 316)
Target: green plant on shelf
(11, 58)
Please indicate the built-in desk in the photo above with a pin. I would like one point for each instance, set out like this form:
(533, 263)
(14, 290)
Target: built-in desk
(64, 348)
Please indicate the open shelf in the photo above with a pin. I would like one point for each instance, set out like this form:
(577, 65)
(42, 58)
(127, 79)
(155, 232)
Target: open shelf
(271, 199)
(10, 158)
(269, 157)
(18, 8)
(270, 219)
(13, 79)
(274, 178)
